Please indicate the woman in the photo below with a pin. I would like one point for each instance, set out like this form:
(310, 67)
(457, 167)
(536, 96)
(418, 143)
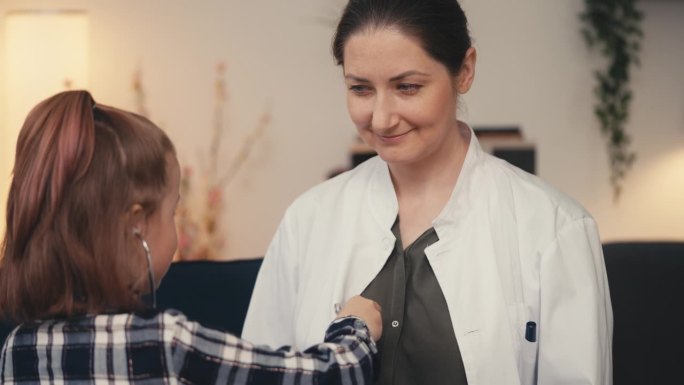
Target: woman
(90, 225)
(485, 274)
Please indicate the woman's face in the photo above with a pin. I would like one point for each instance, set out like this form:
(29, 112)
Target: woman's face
(402, 101)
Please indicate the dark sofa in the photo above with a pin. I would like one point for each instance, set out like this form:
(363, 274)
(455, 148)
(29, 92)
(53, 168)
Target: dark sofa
(214, 293)
(646, 282)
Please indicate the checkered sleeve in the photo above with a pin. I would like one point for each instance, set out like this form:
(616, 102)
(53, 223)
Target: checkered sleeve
(203, 356)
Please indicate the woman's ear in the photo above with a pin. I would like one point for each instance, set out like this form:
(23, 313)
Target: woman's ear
(466, 75)
(136, 219)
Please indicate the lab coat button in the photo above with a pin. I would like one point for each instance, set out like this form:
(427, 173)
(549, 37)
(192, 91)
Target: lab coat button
(395, 323)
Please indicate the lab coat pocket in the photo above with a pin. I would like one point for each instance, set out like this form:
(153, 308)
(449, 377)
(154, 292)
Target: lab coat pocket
(528, 363)
(525, 334)
(529, 343)
(470, 344)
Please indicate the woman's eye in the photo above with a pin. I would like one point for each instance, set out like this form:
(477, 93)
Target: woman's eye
(360, 90)
(409, 89)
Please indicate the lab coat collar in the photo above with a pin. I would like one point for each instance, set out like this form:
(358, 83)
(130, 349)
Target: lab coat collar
(383, 199)
(463, 196)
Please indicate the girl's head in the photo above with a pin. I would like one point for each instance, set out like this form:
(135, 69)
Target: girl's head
(440, 26)
(86, 178)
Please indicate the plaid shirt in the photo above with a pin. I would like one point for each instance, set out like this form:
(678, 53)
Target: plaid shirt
(166, 348)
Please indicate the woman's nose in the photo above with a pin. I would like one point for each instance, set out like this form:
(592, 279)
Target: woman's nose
(384, 113)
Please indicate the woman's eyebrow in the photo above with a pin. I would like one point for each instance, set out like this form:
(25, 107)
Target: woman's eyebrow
(407, 74)
(356, 78)
(392, 79)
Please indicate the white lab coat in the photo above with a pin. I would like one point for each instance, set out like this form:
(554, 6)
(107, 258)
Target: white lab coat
(511, 250)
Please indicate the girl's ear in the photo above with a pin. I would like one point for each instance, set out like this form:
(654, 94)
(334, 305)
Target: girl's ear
(136, 219)
(466, 75)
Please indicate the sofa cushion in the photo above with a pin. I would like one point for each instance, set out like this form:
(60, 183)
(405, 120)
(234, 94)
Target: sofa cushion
(646, 282)
(213, 293)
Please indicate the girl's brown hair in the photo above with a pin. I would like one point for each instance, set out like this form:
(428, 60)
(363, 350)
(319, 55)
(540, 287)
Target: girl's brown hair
(79, 167)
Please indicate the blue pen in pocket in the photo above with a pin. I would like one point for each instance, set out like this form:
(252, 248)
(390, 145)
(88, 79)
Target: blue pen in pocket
(531, 331)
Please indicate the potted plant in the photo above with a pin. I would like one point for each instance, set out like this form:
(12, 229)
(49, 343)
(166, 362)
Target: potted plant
(613, 27)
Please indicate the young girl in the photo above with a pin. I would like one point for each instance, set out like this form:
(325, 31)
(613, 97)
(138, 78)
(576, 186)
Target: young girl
(90, 224)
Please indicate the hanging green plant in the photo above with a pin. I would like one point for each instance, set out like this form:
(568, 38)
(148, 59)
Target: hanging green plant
(614, 28)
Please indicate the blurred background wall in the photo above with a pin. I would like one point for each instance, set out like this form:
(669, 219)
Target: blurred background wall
(534, 71)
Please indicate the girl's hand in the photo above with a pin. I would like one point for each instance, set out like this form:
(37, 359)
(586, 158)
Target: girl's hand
(368, 311)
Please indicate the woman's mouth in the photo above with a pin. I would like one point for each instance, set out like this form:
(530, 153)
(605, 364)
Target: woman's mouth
(392, 139)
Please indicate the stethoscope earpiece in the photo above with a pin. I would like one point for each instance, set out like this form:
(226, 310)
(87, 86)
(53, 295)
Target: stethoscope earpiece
(150, 272)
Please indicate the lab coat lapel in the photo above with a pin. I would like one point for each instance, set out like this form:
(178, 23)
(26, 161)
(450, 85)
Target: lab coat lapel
(465, 265)
(376, 229)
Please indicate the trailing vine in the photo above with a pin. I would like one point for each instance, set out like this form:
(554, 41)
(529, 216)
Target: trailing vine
(614, 28)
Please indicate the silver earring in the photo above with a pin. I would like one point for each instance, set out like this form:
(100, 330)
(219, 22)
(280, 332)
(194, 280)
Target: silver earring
(150, 272)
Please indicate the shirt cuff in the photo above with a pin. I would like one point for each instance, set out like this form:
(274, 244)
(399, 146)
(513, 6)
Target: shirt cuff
(350, 325)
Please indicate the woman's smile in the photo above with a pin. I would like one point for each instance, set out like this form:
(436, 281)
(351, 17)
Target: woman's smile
(393, 138)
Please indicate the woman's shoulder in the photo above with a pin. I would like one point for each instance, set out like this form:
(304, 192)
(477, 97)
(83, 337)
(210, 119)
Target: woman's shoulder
(528, 191)
(350, 179)
(347, 187)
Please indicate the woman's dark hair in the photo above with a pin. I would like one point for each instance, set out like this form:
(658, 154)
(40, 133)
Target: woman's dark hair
(79, 167)
(440, 25)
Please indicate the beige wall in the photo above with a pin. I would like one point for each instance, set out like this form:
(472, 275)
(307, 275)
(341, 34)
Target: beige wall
(534, 71)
